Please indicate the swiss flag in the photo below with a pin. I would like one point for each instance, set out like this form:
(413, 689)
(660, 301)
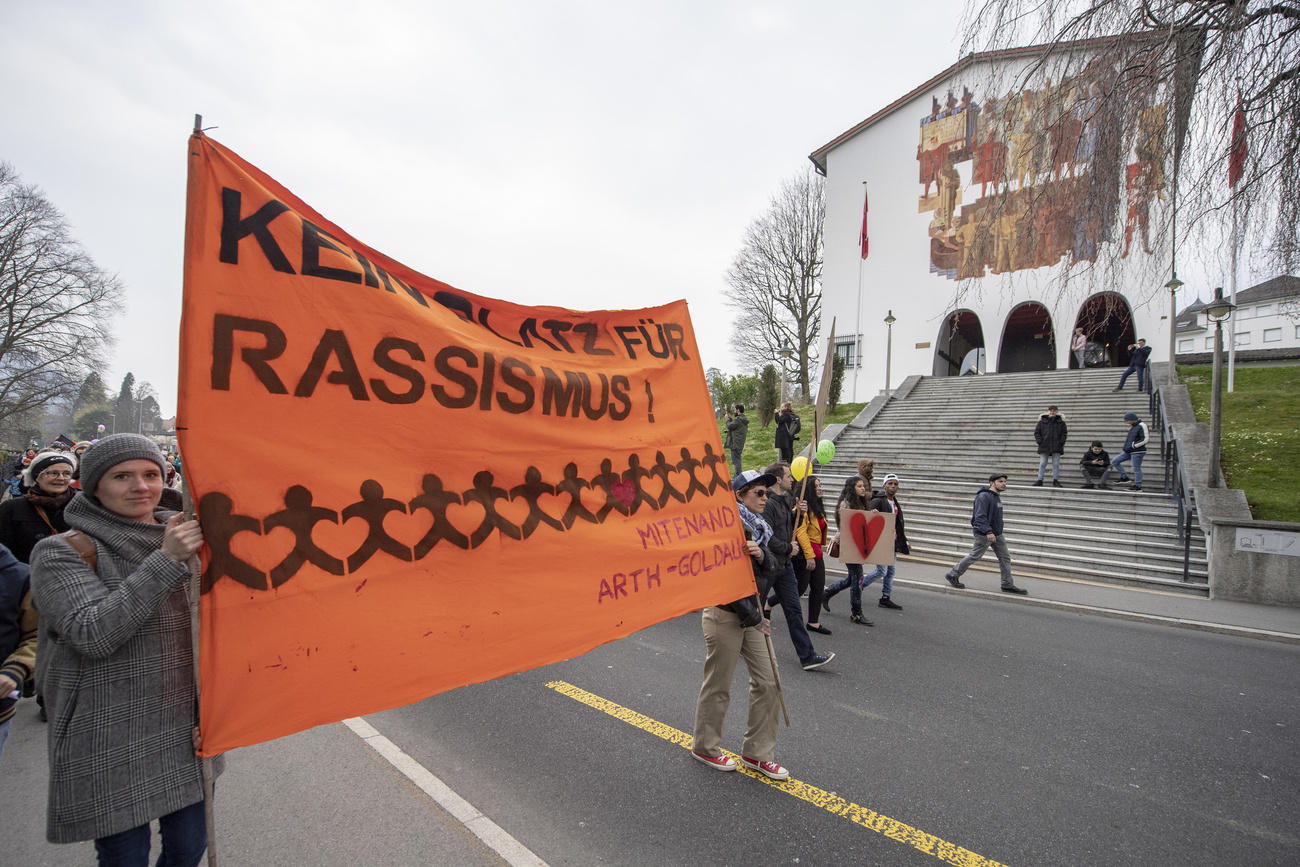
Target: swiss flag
(862, 240)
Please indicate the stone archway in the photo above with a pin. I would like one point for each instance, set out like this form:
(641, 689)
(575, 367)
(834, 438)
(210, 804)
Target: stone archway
(1028, 341)
(1107, 320)
(959, 348)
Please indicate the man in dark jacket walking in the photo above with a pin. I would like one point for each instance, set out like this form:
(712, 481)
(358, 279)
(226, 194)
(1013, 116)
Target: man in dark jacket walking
(1050, 435)
(1137, 363)
(737, 431)
(986, 523)
(886, 500)
(779, 513)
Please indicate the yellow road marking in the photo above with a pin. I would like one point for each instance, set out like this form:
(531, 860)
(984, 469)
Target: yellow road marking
(949, 853)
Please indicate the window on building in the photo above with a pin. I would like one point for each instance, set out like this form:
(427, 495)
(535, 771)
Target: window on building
(1264, 310)
(1209, 343)
(1272, 335)
(1187, 344)
(1297, 332)
(846, 349)
(1243, 338)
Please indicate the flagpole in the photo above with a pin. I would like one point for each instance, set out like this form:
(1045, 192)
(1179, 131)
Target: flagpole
(1237, 159)
(857, 319)
(196, 584)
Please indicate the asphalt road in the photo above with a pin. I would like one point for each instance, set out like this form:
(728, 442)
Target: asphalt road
(960, 728)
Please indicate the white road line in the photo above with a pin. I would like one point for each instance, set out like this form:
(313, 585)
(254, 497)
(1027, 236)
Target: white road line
(492, 834)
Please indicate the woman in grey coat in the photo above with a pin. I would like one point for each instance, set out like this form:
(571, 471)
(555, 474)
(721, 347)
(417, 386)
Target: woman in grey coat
(114, 663)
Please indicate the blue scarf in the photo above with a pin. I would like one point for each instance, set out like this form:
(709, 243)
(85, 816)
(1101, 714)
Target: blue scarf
(759, 530)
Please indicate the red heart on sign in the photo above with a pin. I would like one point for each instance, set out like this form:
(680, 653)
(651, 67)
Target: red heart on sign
(624, 492)
(866, 531)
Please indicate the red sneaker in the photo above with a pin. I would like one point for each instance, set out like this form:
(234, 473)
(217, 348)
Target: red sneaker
(718, 763)
(771, 770)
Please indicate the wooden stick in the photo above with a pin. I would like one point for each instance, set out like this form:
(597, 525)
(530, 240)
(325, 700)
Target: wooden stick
(195, 588)
(776, 672)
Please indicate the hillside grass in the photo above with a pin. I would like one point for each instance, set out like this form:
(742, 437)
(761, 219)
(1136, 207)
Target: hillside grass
(1260, 438)
(760, 444)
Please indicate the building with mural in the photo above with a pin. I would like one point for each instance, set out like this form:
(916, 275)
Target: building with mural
(991, 211)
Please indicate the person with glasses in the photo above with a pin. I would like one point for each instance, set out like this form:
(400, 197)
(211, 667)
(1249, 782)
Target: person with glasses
(27, 519)
(737, 630)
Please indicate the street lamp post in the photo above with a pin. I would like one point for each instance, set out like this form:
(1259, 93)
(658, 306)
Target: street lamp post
(1173, 286)
(786, 352)
(889, 346)
(1217, 310)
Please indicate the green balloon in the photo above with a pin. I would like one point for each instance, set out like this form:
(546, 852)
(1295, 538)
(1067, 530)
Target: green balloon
(825, 451)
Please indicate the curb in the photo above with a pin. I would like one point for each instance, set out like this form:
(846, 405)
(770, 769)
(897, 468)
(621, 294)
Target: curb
(1114, 613)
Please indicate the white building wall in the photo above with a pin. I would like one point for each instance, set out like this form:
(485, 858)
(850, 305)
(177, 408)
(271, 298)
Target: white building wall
(896, 274)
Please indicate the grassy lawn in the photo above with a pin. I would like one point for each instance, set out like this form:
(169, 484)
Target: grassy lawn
(760, 446)
(1260, 439)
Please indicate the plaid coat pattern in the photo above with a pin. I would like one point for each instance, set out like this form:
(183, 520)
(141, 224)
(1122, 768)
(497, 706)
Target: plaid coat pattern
(114, 665)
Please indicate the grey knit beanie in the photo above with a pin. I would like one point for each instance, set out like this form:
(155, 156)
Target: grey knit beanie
(113, 450)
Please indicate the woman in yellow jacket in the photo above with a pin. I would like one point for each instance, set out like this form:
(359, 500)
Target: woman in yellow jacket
(810, 533)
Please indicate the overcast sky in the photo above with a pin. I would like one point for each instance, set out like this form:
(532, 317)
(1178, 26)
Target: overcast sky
(589, 155)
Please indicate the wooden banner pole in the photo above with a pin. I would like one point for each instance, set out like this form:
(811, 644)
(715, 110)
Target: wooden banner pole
(196, 589)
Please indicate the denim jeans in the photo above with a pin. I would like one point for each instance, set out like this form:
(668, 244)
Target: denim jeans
(981, 545)
(853, 582)
(1056, 466)
(735, 462)
(1137, 458)
(4, 735)
(1140, 371)
(184, 838)
(786, 588)
(886, 586)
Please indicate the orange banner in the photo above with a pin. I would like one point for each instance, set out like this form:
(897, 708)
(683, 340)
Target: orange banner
(406, 487)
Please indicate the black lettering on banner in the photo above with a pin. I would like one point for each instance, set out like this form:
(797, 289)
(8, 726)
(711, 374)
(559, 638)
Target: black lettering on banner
(461, 377)
(676, 337)
(332, 343)
(223, 351)
(620, 404)
(513, 375)
(589, 333)
(313, 239)
(384, 359)
(234, 229)
(469, 386)
(558, 397)
(557, 328)
(374, 274)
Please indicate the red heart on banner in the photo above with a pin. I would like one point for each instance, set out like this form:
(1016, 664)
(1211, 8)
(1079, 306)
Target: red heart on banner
(624, 492)
(866, 531)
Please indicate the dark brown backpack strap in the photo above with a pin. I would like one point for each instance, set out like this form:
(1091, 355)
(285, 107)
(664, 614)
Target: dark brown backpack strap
(82, 544)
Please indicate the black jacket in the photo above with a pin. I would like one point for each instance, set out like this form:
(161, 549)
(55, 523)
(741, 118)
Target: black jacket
(746, 608)
(1141, 357)
(787, 429)
(1087, 461)
(880, 502)
(21, 526)
(1050, 433)
(779, 513)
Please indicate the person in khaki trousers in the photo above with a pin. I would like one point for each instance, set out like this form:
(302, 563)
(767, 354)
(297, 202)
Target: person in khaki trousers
(734, 631)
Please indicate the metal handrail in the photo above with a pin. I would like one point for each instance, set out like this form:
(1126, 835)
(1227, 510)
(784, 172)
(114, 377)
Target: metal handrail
(1176, 484)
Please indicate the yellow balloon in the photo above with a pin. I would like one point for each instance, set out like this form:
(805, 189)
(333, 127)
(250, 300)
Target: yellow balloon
(799, 468)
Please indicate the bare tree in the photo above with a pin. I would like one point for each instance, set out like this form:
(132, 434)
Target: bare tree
(55, 303)
(1207, 57)
(775, 279)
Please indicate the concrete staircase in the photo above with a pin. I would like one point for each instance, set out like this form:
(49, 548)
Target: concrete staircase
(943, 436)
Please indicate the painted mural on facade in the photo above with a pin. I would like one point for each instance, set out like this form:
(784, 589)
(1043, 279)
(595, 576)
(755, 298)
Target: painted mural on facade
(1050, 173)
